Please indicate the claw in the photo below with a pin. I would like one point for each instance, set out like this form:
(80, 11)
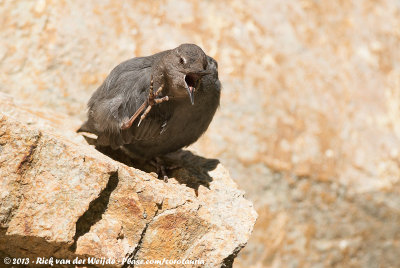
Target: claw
(159, 90)
(163, 173)
(166, 98)
(151, 100)
(161, 168)
(144, 114)
(129, 123)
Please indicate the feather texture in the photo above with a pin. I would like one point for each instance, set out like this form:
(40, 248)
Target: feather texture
(170, 125)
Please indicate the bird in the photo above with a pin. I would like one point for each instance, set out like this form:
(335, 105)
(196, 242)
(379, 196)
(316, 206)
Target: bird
(155, 105)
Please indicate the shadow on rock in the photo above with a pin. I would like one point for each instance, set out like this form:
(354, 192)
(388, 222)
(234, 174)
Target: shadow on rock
(187, 168)
(193, 170)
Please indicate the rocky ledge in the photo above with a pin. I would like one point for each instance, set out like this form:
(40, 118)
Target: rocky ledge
(62, 198)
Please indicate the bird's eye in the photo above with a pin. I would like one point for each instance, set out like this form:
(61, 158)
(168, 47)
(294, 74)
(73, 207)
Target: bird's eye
(182, 60)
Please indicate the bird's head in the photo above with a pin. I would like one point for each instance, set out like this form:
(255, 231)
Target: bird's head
(184, 68)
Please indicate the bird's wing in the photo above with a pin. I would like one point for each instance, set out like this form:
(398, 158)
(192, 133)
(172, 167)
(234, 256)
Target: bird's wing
(117, 99)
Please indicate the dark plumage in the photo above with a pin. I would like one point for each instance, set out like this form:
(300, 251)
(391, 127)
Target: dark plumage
(186, 73)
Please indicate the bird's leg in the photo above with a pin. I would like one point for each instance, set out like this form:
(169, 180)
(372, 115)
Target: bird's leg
(151, 100)
(162, 167)
(144, 114)
(161, 171)
(129, 123)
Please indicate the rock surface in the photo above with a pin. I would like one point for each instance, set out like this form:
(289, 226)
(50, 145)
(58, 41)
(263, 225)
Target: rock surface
(309, 120)
(60, 197)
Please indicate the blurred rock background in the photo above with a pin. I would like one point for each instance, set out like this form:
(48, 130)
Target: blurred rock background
(308, 123)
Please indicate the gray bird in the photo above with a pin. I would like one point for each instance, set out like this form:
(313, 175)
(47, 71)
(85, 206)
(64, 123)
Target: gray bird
(155, 105)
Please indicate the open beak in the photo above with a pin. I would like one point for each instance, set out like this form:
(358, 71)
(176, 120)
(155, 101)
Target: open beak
(192, 81)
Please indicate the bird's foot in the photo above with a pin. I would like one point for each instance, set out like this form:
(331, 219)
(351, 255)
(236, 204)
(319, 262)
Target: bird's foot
(128, 124)
(152, 99)
(162, 168)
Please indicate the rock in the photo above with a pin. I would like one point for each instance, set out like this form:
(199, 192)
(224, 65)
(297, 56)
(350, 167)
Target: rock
(309, 119)
(60, 197)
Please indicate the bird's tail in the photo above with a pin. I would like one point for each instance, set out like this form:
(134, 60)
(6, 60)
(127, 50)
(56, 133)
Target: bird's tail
(86, 127)
(90, 136)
